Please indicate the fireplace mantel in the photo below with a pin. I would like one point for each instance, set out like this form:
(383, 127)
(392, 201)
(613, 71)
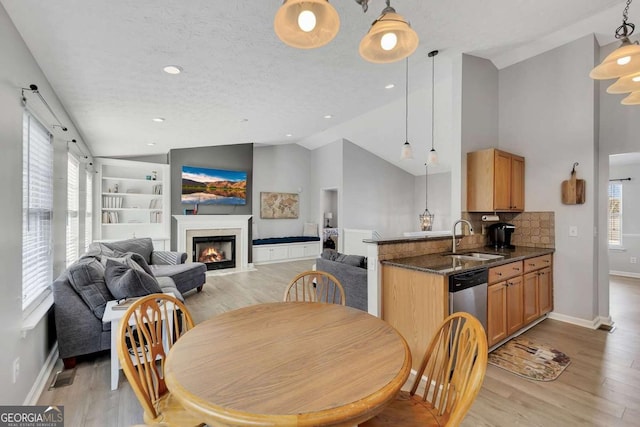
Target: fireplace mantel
(216, 222)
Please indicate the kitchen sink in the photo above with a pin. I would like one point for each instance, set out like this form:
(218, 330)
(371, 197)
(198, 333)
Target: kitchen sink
(476, 256)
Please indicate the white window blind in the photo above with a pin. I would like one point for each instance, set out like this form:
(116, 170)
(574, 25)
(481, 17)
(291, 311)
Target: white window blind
(73, 206)
(615, 214)
(37, 207)
(88, 221)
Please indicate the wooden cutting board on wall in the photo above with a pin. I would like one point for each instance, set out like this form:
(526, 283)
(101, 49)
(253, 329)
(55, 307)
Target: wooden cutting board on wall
(573, 189)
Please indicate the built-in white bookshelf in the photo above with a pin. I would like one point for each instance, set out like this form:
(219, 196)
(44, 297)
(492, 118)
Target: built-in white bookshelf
(132, 199)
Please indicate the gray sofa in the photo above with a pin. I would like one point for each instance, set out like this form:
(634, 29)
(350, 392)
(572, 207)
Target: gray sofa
(351, 271)
(80, 293)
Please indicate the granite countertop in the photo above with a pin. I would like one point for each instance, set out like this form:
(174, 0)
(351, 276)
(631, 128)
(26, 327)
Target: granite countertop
(444, 265)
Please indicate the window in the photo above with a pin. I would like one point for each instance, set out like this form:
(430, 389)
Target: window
(615, 214)
(37, 208)
(88, 221)
(73, 206)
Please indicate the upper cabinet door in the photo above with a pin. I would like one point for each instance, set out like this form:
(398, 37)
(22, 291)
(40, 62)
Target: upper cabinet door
(517, 183)
(502, 181)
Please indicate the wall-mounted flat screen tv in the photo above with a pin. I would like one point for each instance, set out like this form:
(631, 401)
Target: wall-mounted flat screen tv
(213, 186)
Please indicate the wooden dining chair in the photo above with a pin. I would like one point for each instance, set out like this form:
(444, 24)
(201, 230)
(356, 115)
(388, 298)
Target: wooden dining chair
(453, 369)
(147, 332)
(315, 286)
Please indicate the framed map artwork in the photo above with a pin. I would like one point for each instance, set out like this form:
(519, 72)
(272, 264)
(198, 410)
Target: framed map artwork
(279, 205)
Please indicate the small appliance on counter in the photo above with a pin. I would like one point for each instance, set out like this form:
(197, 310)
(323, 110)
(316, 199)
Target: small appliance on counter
(500, 235)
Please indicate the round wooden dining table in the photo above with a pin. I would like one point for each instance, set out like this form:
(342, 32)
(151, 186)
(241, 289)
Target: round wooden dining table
(288, 364)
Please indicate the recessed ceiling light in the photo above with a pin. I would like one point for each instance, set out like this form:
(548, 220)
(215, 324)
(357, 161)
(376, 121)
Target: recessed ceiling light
(289, 135)
(328, 116)
(158, 119)
(151, 144)
(390, 86)
(172, 69)
(244, 120)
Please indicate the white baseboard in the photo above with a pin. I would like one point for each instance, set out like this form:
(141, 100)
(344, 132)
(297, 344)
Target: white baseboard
(591, 324)
(625, 274)
(43, 376)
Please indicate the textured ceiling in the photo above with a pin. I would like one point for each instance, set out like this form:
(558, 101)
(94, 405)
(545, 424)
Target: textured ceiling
(105, 59)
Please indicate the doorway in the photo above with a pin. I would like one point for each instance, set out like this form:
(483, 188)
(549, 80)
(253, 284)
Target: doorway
(330, 218)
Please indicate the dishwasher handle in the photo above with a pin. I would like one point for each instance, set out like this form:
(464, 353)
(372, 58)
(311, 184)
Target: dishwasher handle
(462, 281)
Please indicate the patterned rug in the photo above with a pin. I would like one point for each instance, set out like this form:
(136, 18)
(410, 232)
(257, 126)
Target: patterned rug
(530, 360)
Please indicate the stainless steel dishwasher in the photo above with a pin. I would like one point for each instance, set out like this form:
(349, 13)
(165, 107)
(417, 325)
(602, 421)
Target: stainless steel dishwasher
(468, 292)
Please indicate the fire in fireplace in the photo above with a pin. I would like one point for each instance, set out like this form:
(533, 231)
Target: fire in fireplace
(217, 252)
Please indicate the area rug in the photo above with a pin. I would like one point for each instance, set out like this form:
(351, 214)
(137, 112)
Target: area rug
(530, 360)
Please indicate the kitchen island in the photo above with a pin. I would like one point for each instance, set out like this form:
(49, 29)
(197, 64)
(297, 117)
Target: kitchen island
(414, 292)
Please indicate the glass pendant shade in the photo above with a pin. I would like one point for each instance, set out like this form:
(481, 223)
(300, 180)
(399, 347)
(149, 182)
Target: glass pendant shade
(426, 220)
(407, 151)
(623, 61)
(389, 39)
(306, 24)
(432, 159)
(633, 99)
(626, 84)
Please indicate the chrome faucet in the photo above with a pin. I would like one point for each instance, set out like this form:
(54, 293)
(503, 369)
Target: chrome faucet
(453, 232)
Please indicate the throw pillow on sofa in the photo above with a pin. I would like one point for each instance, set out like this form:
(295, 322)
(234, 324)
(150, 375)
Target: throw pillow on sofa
(130, 259)
(86, 276)
(126, 282)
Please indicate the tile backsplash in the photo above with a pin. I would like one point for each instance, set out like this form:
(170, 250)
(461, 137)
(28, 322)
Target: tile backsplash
(533, 229)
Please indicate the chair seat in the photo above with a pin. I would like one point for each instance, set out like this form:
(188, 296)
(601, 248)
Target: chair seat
(406, 411)
(172, 413)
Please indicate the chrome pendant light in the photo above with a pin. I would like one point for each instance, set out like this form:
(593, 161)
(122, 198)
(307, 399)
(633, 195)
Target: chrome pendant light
(432, 159)
(623, 63)
(407, 151)
(306, 24)
(426, 218)
(389, 39)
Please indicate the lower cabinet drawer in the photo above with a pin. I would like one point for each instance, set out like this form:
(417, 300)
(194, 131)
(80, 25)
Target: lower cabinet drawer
(504, 272)
(537, 263)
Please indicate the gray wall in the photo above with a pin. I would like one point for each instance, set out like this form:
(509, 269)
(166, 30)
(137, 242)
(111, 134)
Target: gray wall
(326, 172)
(18, 70)
(282, 169)
(376, 194)
(230, 157)
(547, 106)
(619, 261)
(439, 199)
(479, 110)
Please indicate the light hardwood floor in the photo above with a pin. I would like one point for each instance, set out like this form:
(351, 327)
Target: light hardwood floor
(601, 386)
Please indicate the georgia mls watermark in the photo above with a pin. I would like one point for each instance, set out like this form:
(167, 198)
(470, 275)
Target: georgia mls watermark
(31, 416)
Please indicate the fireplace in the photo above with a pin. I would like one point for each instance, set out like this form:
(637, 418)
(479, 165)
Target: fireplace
(217, 252)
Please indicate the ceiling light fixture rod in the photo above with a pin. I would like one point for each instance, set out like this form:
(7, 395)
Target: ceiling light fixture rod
(34, 89)
(433, 155)
(406, 102)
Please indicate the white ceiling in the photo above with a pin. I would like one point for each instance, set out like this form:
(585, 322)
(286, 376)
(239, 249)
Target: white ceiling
(105, 59)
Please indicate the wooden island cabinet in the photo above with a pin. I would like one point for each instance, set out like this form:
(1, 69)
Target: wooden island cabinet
(495, 181)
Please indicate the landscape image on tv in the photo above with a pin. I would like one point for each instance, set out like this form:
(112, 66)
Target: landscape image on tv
(213, 186)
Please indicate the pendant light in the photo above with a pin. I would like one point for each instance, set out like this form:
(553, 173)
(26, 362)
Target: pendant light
(426, 218)
(389, 39)
(632, 99)
(407, 151)
(306, 24)
(432, 159)
(623, 62)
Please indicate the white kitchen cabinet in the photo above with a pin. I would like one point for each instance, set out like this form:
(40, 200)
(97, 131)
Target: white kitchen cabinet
(282, 252)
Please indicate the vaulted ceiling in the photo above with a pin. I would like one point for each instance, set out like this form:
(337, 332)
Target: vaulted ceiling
(241, 84)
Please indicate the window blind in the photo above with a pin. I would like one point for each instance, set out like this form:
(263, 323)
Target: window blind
(88, 221)
(615, 214)
(37, 207)
(73, 206)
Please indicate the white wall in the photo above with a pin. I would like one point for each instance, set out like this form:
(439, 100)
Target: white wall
(619, 261)
(282, 169)
(479, 111)
(439, 199)
(19, 70)
(546, 107)
(376, 194)
(326, 172)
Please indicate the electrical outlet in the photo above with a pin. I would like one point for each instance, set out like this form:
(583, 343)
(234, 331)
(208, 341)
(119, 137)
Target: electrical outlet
(573, 231)
(633, 260)
(16, 369)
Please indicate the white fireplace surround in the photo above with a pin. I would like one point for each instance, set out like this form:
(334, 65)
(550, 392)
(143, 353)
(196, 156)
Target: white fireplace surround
(215, 225)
